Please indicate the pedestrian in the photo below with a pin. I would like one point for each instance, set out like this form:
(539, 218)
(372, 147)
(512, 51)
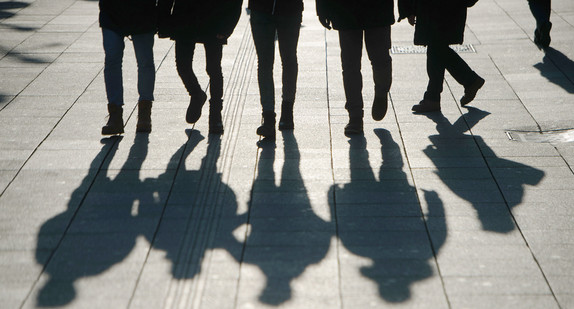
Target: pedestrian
(271, 20)
(368, 20)
(541, 11)
(437, 25)
(208, 22)
(135, 19)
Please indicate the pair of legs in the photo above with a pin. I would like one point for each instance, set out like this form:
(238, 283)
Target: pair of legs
(184, 52)
(266, 29)
(377, 43)
(114, 45)
(441, 57)
(541, 11)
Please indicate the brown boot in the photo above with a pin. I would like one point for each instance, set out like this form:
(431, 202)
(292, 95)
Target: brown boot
(144, 117)
(115, 123)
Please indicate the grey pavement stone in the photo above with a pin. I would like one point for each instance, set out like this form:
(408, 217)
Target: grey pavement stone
(179, 218)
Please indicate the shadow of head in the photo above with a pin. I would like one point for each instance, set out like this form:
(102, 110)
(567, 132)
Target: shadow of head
(56, 293)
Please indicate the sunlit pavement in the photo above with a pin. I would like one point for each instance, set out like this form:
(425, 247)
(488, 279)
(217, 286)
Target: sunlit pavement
(468, 208)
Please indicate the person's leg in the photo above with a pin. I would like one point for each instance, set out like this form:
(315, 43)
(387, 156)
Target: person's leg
(184, 51)
(114, 50)
(143, 46)
(288, 36)
(351, 43)
(378, 44)
(213, 55)
(457, 67)
(263, 29)
(541, 11)
(435, 72)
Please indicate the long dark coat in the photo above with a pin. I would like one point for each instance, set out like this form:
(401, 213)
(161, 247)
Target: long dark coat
(437, 21)
(198, 20)
(277, 7)
(357, 14)
(128, 17)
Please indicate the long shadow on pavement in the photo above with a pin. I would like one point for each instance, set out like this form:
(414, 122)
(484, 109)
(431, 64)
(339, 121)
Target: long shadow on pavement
(103, 228)
(382, 221)
(287, 236)
(192, 211)
(484, 184)
(554, 66)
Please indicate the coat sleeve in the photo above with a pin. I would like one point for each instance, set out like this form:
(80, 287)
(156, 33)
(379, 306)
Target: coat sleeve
(406, 8)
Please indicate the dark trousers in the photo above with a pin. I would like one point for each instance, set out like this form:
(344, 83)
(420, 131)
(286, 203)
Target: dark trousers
(540, 10)
(265, 29)
(441, 57)
(184, 51)
(377, 43)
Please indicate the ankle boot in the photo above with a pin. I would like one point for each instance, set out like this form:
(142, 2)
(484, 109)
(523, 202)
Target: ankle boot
(286, 120)
(355, 126)
(268, 127)
(115, 123)
(215, 120)
(144, 117)
(194, 108)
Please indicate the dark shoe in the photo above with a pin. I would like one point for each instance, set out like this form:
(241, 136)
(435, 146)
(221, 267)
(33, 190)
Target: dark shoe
(267, 129)
(355, 126)
(215, 120)
(470, 91)
(144, 117)
(542, 36)
(286, 120)
(115, 123)
(380, 105)
(195, 105)
(426, 106)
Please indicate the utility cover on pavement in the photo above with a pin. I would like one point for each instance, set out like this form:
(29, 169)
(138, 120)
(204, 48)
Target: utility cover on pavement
(554, 136)
(413, 49)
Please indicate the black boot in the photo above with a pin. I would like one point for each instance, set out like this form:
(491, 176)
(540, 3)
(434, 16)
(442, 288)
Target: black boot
(267, 129)
(426, 106)
(215, 120)
(115, 123)
(144, 117)
(286, 120)
(471, 90)
(542, 35)
(380, 106)
(355, 125)
(195, 105)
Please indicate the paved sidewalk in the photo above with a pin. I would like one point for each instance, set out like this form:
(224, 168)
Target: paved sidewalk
(437, 211)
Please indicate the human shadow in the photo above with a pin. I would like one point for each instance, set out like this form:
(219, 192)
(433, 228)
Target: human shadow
(476, 184)
(557, 68)
(98, 228)
(382, 220)
(199, 198)
(6, 11)
(287, 236)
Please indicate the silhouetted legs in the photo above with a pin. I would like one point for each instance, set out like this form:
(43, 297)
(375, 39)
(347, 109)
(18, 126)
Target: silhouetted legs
(377, 43)
(440, 58)
(541, 11)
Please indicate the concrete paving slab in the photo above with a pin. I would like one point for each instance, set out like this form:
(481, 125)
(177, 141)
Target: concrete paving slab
(438, 211)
